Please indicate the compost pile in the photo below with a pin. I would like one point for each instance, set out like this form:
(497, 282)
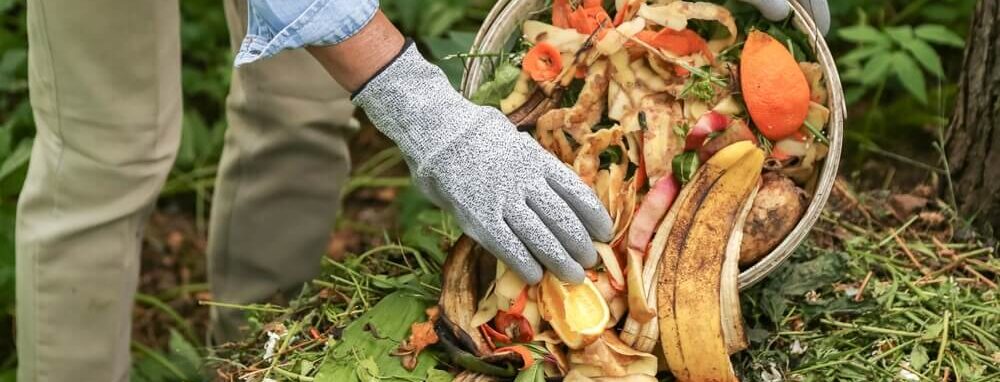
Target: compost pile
(704, 145)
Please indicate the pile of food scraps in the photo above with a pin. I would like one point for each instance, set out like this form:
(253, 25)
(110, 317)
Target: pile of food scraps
(703, 143)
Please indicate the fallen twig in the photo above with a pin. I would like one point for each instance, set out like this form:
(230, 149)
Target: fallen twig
(920, 266)
(861, 289)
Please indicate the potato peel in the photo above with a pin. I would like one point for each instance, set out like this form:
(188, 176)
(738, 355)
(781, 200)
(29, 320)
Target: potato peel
(577, 313)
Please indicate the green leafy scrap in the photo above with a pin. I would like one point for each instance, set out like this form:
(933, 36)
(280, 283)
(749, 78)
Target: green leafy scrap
(492, 92)
(436, 375)
(364, 352)
(685, 166)
(535, 373)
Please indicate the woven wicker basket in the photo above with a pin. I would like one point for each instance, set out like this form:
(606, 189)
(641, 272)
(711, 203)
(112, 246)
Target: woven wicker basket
(506, 17)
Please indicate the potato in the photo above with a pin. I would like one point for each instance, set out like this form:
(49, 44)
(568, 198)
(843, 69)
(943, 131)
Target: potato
(776, 210)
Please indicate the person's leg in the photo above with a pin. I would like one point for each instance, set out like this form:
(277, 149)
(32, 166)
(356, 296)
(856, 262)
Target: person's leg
(104, 78)
(279, 181)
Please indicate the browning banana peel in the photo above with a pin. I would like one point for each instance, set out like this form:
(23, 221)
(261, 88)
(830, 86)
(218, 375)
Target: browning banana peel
(691, 325)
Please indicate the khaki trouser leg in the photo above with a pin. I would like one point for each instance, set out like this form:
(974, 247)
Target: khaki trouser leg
(104, 77)
(282, 168)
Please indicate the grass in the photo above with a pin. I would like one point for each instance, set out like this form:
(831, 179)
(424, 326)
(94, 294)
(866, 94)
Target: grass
(870, 313)
(867, 297)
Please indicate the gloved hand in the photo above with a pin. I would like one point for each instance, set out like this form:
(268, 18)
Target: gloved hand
(510, 195)
(775, 10)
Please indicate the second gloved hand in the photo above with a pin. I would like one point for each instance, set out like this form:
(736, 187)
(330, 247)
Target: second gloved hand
(776, 10)
(510, 195)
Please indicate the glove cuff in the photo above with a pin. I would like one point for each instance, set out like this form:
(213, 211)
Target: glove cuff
(406, 46)
(412, 102)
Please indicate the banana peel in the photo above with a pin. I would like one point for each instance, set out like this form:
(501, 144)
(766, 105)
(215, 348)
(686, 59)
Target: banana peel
(732, 317)
(644, 336)
(458, 296)
(692, 329)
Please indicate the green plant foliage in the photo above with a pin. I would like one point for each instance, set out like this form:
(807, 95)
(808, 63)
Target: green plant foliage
(363, 353)
(444, 50)
(6, 258)
(424, 226)
(182, 362)
(444, 28)
(881, 54)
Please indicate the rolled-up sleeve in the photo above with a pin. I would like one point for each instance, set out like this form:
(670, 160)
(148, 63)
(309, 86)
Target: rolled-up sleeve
(276, 25)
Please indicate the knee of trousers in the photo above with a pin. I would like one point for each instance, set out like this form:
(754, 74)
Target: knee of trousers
(85, 175)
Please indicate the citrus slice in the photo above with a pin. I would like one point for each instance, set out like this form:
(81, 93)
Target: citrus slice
(577, 313)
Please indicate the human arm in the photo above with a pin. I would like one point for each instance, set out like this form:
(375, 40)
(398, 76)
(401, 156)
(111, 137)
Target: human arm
(518, 201)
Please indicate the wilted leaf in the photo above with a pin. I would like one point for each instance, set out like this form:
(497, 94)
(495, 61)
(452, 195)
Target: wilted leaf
(910, 75)
(758, 335)
(904, 205)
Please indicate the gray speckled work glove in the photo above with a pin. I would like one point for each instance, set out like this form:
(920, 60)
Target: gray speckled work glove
(775, 10)
(514, 198)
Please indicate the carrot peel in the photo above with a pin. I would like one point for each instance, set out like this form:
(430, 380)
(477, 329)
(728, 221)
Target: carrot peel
(543, 62)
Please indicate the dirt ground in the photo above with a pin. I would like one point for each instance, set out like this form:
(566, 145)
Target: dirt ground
(173, 253)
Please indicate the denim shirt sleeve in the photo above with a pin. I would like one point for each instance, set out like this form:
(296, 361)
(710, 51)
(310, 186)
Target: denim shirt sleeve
(276, 25)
